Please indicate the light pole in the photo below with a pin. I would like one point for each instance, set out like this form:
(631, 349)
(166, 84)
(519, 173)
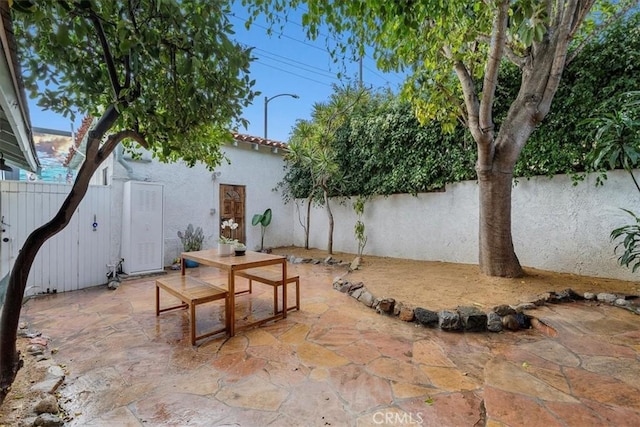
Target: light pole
(266, 102)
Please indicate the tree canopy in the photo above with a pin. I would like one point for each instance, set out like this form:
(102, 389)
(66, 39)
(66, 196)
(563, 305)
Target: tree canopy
(168, 67)
(162, 73)
(452, 53)
(381, 148)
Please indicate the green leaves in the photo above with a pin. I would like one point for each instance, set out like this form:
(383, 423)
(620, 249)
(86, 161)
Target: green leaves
(617, 139)
(381, 148)
(529, 21)
(263, 219)
(170, 68)
(630, 242)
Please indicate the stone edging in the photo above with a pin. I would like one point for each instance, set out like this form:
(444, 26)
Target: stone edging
(472, 319)
(469, 318)
(46, 410)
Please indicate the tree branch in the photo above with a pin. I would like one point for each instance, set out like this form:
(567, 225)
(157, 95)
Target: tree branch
(598, 30)
(560, 43)
(517, 60)
(509, 53)
(470, 99)
(496, 49)
(114, 139)
(106, 52)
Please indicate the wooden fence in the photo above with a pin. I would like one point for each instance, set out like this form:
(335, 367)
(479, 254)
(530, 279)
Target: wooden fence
(73, 259)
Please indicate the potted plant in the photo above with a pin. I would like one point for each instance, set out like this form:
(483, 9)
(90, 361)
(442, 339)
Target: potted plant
(191, 239)
(264, 220)
(227, 241)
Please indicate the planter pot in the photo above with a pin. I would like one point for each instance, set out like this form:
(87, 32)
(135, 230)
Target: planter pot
(188, 263)
(225, 249)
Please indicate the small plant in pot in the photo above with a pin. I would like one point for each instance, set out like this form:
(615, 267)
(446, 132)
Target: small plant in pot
(191, 239)
(227, 240)
(264, 220)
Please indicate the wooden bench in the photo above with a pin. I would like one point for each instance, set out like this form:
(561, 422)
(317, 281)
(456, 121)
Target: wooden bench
(272, 278)
(191, 292)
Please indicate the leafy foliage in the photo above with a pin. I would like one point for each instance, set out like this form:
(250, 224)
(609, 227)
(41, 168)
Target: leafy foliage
(630, 242)
(447, 49)
(617, 144)
(163, 73)
(382, 148)
(263, 220)
(168, 67)
(606, 67)
(386, 150)
(617, 141)
(359, 228)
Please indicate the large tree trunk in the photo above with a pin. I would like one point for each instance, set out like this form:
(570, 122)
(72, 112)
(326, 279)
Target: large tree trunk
(496, 256)
(10, 361)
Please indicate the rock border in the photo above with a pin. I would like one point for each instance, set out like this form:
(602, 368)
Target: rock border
(468, 318)
(46, 411)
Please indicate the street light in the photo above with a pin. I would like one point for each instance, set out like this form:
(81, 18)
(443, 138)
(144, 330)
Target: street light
(266, 102)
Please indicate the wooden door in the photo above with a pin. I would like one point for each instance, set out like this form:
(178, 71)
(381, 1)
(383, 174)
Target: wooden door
(232, 206)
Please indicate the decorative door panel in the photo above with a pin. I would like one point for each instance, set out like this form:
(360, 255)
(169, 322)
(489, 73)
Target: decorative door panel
(232, 203)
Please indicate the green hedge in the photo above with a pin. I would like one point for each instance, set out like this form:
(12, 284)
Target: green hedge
(381, 148)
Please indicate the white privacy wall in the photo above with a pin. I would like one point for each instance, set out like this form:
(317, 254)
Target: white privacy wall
(556, 226)
(191, 195)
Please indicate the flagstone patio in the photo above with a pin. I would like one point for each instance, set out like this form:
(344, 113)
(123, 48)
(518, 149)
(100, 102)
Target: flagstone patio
(335, 362)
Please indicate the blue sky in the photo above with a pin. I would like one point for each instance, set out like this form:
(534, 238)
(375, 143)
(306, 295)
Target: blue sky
(286, 63)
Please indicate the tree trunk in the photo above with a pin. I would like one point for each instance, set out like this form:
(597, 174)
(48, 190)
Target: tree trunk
(10, 361)
(326, 201)
(497, 256)
(306, 230)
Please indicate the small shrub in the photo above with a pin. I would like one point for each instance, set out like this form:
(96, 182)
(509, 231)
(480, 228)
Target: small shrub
(630, 235)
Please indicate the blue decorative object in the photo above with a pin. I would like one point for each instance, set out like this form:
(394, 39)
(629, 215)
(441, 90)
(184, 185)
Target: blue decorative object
(190, 263)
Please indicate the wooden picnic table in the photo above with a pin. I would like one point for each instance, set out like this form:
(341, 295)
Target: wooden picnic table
(231, 264)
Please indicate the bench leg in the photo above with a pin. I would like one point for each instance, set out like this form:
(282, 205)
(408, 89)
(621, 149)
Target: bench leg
(275, 300)
(297, 306)
(192, 309)
(157, 300)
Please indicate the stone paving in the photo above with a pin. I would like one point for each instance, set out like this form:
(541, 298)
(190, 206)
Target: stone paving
(333, 363)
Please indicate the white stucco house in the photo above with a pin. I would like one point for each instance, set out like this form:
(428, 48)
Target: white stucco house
(152, 201)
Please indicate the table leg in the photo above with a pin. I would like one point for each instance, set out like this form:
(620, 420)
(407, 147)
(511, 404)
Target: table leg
(192, 314)
(183, 268)
(231, 317)
(157, 300)
(284, 289)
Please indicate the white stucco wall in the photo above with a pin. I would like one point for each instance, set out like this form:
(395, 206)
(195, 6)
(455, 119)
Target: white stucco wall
(191, 195)
(556, 226)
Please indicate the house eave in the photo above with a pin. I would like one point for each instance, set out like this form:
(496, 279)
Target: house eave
(16, 139)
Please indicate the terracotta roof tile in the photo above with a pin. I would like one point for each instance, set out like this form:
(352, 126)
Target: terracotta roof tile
(257, 140)
(88, 120)
(82, 131)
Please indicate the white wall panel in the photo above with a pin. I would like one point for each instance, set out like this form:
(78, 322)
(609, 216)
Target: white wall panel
(73, 259)
(557, 226)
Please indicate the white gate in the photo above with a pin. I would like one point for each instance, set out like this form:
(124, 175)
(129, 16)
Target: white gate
(73, 259)
(142, 227)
